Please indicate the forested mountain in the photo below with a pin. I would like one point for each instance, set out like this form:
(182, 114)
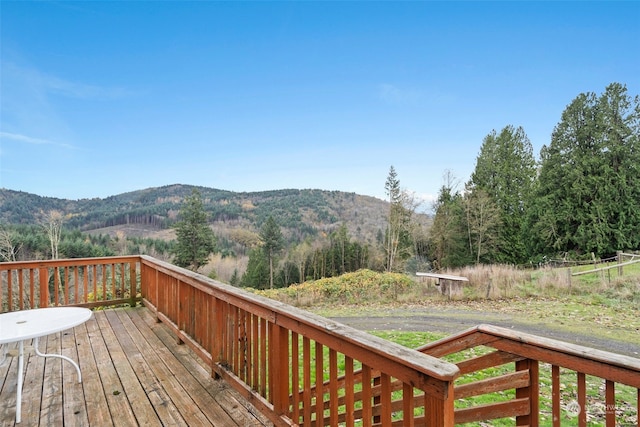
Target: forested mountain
(301, 213)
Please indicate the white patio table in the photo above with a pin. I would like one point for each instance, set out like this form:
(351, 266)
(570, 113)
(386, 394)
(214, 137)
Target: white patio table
(19, 326)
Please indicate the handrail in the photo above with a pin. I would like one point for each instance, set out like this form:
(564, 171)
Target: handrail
(275, 354)
(528, 351)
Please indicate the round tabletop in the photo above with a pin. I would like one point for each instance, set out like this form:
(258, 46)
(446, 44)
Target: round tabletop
(27, 324)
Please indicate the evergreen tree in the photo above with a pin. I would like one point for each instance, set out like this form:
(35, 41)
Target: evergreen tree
(397, 240)
(392, 236)
(505, 171)
(340, 242)
(272, 243)
(195, 239)
(234, 281)
(588, 191)
(257, 273)
(448, 232)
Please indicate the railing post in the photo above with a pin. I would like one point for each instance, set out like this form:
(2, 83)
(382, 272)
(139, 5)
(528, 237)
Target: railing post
(43, 275)
(279, 355)
(10, 290)
(133, 280)
(531, 392)
(439, 412)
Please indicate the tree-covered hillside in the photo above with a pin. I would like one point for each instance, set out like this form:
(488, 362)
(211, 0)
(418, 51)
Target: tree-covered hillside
(302, 213)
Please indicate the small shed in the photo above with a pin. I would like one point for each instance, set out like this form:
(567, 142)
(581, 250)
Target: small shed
(449, 285)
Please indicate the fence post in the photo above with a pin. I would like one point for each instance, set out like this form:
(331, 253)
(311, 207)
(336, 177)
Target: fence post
(619, 254)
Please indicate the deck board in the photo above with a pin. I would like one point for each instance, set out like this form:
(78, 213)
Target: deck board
(133, 373)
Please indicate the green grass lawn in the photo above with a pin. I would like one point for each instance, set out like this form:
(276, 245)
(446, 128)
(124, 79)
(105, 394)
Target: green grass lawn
(625, 396)
(606, 305)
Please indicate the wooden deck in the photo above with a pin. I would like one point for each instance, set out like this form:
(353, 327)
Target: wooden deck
(133, 373)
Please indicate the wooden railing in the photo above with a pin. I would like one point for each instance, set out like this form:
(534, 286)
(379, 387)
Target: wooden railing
(295, 367)
(87, 282)
(536, 370)
(302, 369)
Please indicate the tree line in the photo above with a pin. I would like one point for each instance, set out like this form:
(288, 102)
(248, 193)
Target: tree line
(581, 197)
(51, 240)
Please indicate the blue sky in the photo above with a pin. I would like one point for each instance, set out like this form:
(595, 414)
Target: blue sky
(99, 98)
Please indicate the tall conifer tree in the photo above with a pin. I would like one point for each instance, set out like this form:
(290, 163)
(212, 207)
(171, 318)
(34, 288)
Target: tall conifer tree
(195, 239)
(505, 171)
(588, 192)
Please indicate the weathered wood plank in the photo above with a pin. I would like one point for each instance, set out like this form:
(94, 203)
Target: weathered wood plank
(443, 276)
(74, 408)
(121, 412)
(495, 358)
(8, 373)
(508, 381)
(228, 409)
(179, 396)
(94, 395)
(137, 366)
(51, 411)
(32, 387)
(492, 411)
(140, 404)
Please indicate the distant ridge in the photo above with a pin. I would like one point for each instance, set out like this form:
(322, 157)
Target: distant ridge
(308, 213)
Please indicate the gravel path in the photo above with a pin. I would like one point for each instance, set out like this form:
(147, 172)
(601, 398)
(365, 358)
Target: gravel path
(452, 321)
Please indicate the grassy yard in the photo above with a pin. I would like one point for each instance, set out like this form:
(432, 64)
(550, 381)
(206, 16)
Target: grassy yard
(603, 304)
(626, 410)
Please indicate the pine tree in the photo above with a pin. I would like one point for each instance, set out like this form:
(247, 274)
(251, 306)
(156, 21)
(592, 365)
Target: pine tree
(397, 240)
(195, 239)
(588, 191)
(505, 171)
(448, 233)
(257, 273)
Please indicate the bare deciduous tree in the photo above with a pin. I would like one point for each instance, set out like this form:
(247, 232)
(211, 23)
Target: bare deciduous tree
(8, 248)
(52, 223)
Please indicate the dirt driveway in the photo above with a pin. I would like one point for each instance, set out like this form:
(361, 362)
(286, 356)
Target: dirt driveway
(450, 321)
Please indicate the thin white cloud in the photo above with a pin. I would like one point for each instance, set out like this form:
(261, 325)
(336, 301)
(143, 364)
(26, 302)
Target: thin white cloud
(33, 141)
(48, 83)
(395, 95)
(81, 90)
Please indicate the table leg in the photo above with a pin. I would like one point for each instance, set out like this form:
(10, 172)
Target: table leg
(60, 356)
(19, 389)
(4, 353)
